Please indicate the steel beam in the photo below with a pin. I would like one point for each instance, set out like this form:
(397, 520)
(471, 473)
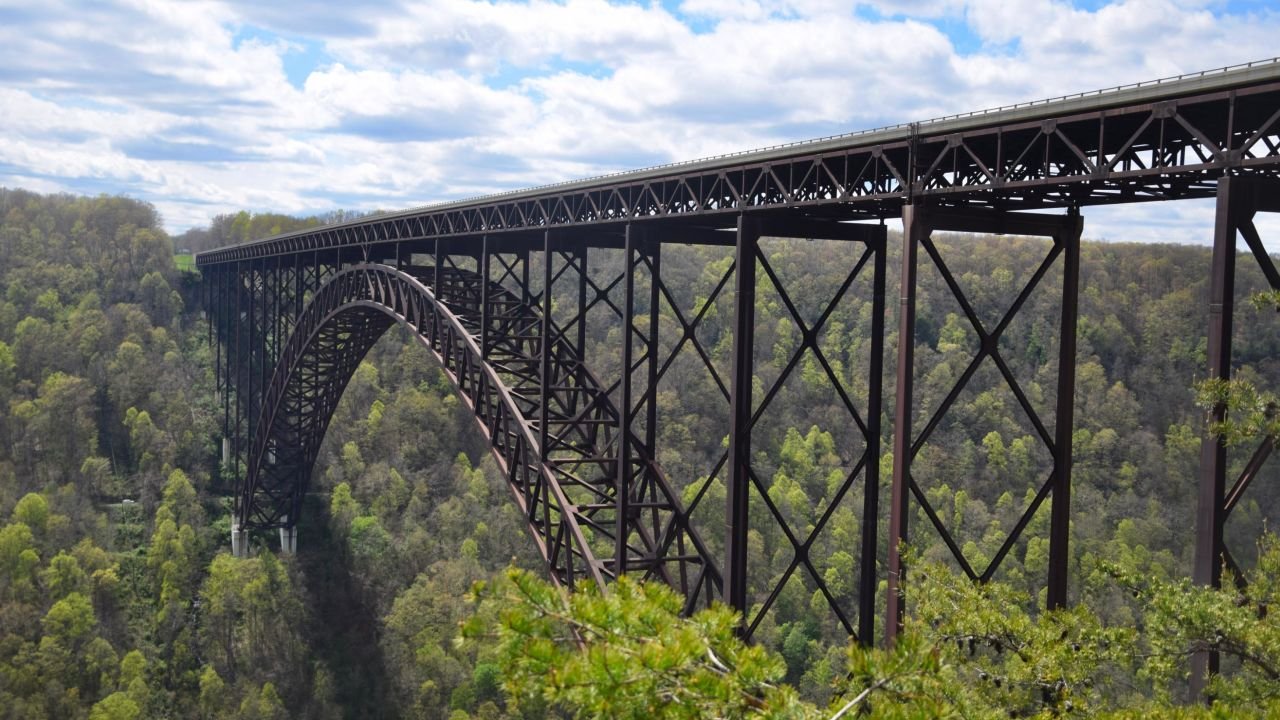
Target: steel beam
(1239, 200)
(622, 494)
(868, 580)
(918, 226)
(485, 310)
(915, 226)
(1210, 517)
(1155, 142)
(739, 466)
(1060, 518)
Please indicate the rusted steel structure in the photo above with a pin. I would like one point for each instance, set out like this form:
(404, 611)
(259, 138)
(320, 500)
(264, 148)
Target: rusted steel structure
(474, 281)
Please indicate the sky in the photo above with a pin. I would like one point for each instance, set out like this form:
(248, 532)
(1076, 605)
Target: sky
(204, 108)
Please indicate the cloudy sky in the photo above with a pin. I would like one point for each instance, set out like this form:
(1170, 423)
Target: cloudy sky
(210, 107)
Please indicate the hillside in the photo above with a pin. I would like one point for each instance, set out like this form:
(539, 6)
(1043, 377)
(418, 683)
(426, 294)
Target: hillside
(117, 595)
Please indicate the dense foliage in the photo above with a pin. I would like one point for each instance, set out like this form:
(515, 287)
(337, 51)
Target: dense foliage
(969, 651)
(241, 227)
(118, 598)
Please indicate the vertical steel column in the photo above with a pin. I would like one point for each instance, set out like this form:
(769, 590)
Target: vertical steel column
(915, 227)
(545, 380)
(436, 275)
(580, 336)
(206, 297)
(868, 582)
(230, 320)
(525, 295)
(216, 337)
(650, 399)
(261, 338)
(227, 320)
(251, 341)
(281, 307)
(1060, 518)
(298, 290)
(1213, 451)
(317, 272)
(485, 318)
(277, 288)
(239, 536)
(258, 340)
(739, 467)
(239, 378)
(544, 348)
(622, 495)
(651, 388)
(581, 350)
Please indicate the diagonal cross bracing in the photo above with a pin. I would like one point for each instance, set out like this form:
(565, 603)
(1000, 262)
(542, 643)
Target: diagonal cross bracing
(559, 466)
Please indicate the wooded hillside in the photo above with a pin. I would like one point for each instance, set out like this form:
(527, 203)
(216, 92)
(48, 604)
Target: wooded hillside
(118, 598)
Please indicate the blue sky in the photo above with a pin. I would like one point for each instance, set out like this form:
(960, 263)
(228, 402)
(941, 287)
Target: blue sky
(210, 107)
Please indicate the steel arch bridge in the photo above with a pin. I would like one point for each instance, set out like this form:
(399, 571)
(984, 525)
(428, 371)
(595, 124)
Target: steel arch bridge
(501, 288)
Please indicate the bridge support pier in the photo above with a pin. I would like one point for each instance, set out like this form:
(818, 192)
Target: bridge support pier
(754, 274)
(1240, 199)
(739, 466)
(239, 541)
(289, 540)
(919, 224)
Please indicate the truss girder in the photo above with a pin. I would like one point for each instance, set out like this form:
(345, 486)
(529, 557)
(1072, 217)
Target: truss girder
(1143, 151)
(293, 316)
(552, 428)
(1239, 201)
(752, 270)
(919, 225)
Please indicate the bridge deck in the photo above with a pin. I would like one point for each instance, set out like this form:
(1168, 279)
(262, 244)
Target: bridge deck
(1157, 140)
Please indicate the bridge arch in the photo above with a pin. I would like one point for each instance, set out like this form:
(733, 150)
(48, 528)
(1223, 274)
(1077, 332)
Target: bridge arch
(566, 491)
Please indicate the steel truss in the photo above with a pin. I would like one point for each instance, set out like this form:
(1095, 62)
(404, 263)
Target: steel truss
(500, 289)
(1240, 199)
(1057, 156)
(552, 427)
(252, 308)
(744, 482)
(556, 429)
(919, 224)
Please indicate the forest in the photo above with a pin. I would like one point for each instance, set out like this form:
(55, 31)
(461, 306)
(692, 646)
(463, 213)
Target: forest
(416, 592)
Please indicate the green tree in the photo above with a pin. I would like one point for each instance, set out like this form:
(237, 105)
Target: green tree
(639, 659)
(19, 562)
(213, 694)
(263, 705)
(63, 577)
(70, 620)
(33, 511)
(116, 706)
(7, 366)
(62, 425)
(343, 508)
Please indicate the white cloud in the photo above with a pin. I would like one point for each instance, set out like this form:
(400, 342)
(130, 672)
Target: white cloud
(191, 106)
(917, 8)
(480, 36)
(445, 102)
(22, 113)
(1128, 41)
(725, 9)
(34, 184)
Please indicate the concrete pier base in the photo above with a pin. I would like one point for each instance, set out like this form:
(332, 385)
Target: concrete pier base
(239, 542)
(289, 540)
